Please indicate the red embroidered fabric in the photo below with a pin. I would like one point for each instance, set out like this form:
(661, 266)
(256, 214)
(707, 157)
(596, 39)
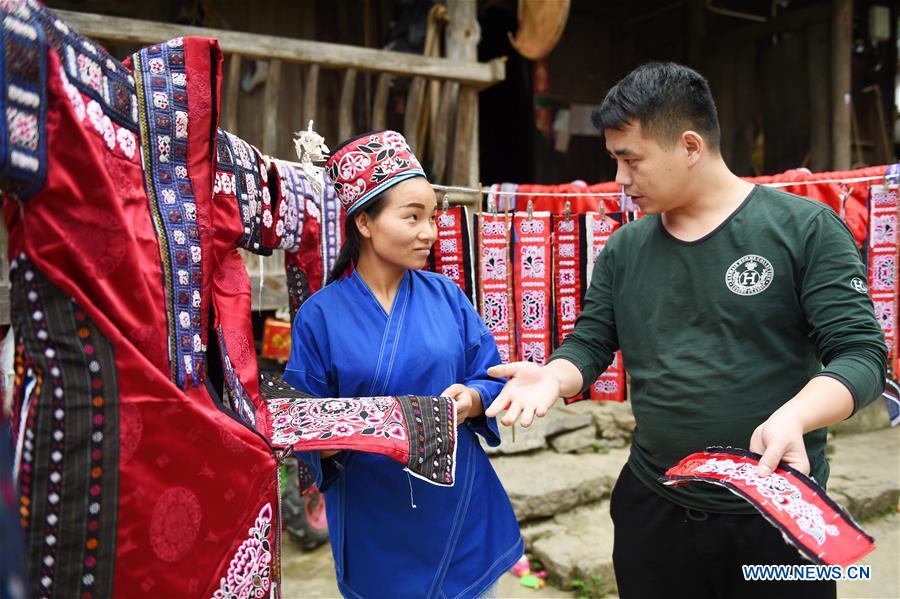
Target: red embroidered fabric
(495, 281)
(190, 484)
(451, 254)
(533, 285)
(791, 501)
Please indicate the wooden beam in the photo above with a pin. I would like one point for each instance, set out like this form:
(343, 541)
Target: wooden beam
(232, 88)
(442, 132)
(252, 45)
(345, 108)
(841, 98)
(795, 19)
(270, 107)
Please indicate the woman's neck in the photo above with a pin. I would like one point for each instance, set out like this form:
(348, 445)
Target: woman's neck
(383, 279)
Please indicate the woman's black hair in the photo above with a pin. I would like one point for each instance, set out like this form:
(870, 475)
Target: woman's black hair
(352, 239)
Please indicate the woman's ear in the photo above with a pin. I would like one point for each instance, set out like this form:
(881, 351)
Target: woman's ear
(362, 224)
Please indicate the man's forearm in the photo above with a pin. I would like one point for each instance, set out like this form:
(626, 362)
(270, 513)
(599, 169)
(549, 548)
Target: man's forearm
(822, 402)
(568, 376)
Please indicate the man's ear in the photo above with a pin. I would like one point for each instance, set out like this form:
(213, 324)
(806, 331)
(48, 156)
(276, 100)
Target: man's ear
(693, 145)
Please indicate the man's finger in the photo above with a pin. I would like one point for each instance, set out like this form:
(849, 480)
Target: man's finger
(512, 414)
(770, 459)
(498, 405)
(527, 417)
(501, 371)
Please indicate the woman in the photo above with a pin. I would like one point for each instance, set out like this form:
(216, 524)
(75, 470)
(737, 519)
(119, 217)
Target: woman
(382, 326)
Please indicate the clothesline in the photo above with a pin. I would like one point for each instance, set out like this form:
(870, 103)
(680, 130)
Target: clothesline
(489, 191)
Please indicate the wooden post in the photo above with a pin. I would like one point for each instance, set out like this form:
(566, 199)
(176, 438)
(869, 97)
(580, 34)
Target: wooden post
(232, 87)
(345, 108)
(841, 48)
(819, 137)
(379, 105)
(270, 102)
(463, 35)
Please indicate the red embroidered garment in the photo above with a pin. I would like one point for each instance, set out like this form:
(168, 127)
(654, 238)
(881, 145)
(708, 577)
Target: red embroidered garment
(533, 285)
(791, 501)
(568, 264)
(451, 254)
(597, 229)
(417, 431)
(495, 281)
(133, 479)
(882, 266)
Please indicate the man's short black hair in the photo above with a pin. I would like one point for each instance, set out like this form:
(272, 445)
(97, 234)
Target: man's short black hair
(667, 99)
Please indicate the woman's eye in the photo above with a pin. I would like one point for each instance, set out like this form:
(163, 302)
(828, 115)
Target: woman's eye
(413, 217)
(630, 162)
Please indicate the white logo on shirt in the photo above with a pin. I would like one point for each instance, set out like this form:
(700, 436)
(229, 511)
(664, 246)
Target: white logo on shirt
(859, 285)
(749, 275)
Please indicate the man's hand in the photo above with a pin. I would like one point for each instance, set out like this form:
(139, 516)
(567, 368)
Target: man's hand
(467, 400)
(822, 402)
(780, 439)
(531, 390)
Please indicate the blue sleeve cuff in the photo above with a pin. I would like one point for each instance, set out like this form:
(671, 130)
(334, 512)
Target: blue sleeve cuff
(482, 425)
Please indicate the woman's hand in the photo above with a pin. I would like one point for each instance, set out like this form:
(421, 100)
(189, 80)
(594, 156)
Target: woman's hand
(467, 400)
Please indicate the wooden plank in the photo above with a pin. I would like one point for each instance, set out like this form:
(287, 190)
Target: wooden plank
(379, 105)
(252, 45)
(345, 108)
(310, 94)
(819, 120)
(270, 103)
(442, 134)
(841, 57)
(411, 119)
(466, 137)
(232, 89)
(795, 19)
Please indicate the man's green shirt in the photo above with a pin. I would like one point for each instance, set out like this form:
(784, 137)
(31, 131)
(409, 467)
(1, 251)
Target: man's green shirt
(718, 333)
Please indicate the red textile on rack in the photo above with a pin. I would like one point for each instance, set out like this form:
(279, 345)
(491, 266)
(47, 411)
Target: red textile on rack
(495, 281)
(533, 285)
(855, 213)
(609, 386)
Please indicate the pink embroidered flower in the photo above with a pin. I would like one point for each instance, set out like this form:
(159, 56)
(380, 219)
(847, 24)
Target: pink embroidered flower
(248, 573)
(195, 254)
(279, 227)
(342, 429)
(198, 343)
(168, 196)
(179, 236)
(195, 299)
(352, 164)
(176, 42)
(392, 139)
(127, 142)
(179, 79)
(184, 277)
(161, 100)
(181, 171)
(184, 319)
(267, 218)
(109, 132)
(181, 125)
(23, 128)
(163, 145)
(95, 115)
(157, 66)
(89, 72)
(190, 210)
(352, 191)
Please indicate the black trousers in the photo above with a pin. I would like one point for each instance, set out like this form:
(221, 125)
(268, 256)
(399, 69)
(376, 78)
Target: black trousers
(664, 550)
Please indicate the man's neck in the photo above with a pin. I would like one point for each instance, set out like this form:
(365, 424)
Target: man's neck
(714, 197)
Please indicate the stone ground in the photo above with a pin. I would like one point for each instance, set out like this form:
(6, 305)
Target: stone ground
(565, 519)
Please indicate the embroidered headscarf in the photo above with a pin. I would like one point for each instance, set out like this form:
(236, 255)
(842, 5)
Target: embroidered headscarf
(368, 165)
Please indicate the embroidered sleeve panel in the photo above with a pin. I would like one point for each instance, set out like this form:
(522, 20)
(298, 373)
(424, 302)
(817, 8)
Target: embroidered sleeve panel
(790, 500)
(417, 431)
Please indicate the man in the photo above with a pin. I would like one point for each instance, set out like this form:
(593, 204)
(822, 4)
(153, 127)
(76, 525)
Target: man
(726, 300)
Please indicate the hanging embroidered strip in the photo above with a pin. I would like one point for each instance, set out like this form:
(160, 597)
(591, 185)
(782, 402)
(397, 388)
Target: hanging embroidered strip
(597, 228)
(789, 500)
(416, 430)
(495, 281)
(883, 261)
(451, 254)
(331, 225)
(568, 266)
(290, 201)
(533, 285)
